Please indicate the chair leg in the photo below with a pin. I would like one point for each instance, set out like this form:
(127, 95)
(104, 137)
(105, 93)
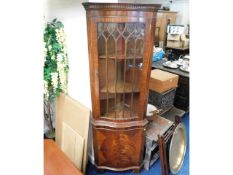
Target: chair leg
(163, 155)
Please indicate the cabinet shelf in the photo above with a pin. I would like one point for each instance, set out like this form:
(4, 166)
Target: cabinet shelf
(121, 57)
(119, 115)
(104, 96)
(120, 111)
(120, 87)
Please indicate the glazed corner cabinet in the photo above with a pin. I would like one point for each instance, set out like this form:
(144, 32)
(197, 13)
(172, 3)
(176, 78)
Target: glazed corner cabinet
(120, 45)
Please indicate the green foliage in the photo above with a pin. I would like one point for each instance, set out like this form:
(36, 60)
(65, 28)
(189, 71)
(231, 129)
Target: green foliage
(56, 62)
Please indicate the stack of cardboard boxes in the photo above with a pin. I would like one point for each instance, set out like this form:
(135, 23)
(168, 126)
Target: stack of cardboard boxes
(177, 41)
(176, 37)
(162, 89)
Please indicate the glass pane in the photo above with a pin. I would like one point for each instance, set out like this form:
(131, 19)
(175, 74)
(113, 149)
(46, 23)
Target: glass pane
(111, 47)
(131, 46)
(120, 50)
(101, 44)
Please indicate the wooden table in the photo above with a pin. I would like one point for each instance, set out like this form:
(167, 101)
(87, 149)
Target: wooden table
(159, 65)
(56, 162)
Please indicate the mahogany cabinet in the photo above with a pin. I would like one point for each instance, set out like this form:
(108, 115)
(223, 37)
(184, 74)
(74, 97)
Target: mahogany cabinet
(120, 44)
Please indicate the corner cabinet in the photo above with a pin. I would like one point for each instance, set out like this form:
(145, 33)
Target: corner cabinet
(120, 44)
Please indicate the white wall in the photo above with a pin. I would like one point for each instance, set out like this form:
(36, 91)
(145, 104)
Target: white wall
(72, 14)
(181, 6)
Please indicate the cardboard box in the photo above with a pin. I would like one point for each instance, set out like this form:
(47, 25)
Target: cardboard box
(177, 41)
(161, 81)
(175, 44)
(174, 37)
(185, 41)
(72, 123)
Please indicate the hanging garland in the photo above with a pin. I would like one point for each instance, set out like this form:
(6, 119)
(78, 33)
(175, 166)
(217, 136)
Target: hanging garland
(55, 60)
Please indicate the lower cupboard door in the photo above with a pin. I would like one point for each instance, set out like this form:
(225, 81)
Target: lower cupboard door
(118, 148)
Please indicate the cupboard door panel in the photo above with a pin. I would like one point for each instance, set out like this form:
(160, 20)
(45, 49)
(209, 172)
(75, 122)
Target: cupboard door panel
(119, 148)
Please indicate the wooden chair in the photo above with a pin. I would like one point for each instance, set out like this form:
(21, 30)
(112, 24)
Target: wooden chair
(163, 140)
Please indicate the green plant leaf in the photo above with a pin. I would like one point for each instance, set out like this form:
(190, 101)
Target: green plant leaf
(53, 48)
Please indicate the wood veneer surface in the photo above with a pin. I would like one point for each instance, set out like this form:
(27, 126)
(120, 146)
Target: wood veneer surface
(56, 162)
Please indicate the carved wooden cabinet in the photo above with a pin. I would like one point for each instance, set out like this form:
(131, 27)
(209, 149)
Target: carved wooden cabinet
(120, 43)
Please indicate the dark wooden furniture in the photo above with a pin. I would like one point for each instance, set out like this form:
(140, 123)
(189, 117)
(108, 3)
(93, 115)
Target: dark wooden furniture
(56, 162)
(158, 136)
(120, 43)
(158, 126)
(163, 141)
(182, 92)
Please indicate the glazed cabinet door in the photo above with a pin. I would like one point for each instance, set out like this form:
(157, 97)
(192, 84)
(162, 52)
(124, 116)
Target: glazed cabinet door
(121, 68)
